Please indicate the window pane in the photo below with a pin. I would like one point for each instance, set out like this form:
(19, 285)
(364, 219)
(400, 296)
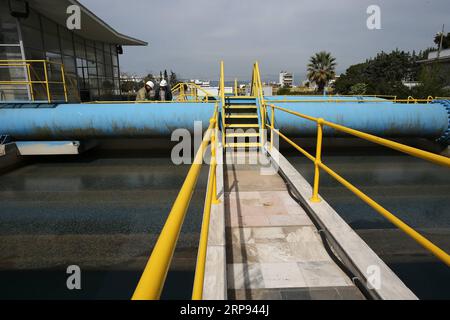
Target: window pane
(90, 54)
(65, 33)
(99, 46)
(49, 27)
(81, 63)
(99, 55)
(32, 38)
(108, 71)
(7, 73)
(94, 93)
(32, 54)
(116, 73)
(67, 47)
(32, 20)
(53, 56)
(107, 49)
(5, 17)
(69, 64)
(80, 50)
(7, 22)
(101, 70)
(10, 53)
(92, 70)
(108, 60)
(8, 28)
(51, 43)
(93, 82)
(115, 61)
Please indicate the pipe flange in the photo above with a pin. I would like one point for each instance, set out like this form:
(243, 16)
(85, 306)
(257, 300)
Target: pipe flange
(446, 135)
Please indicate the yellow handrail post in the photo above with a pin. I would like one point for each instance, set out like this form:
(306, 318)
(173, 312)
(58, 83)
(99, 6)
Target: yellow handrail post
(317, 162)
(63, 78)
(235, 87)
(257, 91)
(30, 82)
(222, 98)
(46, 81)
(152, 279)
(272, 126)
(222, 83)
(214, 164)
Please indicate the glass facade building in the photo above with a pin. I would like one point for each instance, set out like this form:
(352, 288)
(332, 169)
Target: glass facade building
(91, 66)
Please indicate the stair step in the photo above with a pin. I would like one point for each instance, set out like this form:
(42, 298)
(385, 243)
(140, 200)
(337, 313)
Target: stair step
(243, 145)
(241, 135)
(241, 106)
(241, 116)
(242, 125)
(240, 97)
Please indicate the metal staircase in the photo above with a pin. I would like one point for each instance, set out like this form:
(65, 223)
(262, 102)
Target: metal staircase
(241, 122)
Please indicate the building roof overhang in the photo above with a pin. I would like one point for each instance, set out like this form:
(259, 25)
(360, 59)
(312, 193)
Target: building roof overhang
(92, 27)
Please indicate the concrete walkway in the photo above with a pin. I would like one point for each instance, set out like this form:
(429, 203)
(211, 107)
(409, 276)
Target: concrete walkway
(273, 249)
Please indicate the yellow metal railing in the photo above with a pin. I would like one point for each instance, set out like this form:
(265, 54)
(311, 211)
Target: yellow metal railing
(29, 67)
(154, 275)
(188, 91)
(257, 91)
(222, 98)
(318, 164)
(211, 198)
(334, 100)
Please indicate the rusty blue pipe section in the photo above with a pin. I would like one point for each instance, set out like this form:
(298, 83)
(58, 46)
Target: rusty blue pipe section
(379, 118)
(91, 121)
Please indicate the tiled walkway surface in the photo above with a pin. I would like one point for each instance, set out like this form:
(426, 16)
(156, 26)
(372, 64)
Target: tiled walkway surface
(273, 249)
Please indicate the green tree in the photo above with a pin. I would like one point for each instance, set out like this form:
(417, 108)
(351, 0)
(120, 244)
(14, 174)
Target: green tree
(432, 82)
(383, 74)
(358, 89)
(173, 79)
(283, 91)
(445, 40)
(127, 86)
(353, 75)
(321, 69)
(166, 75)
(149, 77)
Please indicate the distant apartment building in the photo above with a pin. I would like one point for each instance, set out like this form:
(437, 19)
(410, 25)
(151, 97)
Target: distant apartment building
(286, 79)
(440, 60)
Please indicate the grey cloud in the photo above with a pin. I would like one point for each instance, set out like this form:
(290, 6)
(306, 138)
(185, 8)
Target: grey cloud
(191, 37)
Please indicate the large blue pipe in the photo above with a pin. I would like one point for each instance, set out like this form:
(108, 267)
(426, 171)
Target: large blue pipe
(87, 121)
(383, 119)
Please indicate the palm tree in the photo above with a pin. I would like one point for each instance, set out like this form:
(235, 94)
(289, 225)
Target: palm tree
(321, 69)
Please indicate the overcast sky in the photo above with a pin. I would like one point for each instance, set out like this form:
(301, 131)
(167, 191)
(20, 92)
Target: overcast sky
(191, 37)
